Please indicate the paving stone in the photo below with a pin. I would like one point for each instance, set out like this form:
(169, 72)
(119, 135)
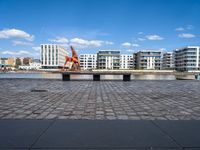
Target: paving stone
(99, 112)
(110, 117)
(123, 117)
(147, 100)
(51, 116)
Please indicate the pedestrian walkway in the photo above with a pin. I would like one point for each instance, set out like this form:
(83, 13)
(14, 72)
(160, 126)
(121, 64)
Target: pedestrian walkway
(99, 134)
(104, 100)
(136, 115)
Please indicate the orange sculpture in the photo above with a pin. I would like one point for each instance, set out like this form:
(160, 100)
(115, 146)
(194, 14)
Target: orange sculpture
(73, 60)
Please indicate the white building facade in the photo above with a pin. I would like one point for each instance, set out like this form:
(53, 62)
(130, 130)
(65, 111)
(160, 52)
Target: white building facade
(52, 56)
(88, 61)
(168, 60)
(148, 60)
(108, 59)
(187, 58)
(126, 61)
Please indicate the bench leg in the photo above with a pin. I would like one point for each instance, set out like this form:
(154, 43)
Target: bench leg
(96, 77)
(126, 77)
(66, 77)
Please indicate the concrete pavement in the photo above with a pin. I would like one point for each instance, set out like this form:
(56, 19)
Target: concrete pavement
(99, 134)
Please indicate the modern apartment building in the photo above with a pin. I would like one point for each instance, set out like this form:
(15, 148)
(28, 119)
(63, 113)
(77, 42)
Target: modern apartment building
(168, 60)
(147, 59)
(3, 61)
(126, 61)
(52, 56)
(9, 62)
(187, 58)
(88, 61)
(108, 59)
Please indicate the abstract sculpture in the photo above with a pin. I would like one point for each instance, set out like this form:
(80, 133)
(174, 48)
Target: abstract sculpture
(73, 61)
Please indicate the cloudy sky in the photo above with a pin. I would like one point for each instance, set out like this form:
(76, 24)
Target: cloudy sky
(90, 25)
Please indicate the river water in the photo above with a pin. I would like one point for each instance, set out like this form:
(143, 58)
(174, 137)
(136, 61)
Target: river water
(83, 77)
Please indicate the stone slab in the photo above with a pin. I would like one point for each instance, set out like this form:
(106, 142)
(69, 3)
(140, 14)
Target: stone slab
(184, 132)
(20, 134)
(104, 134)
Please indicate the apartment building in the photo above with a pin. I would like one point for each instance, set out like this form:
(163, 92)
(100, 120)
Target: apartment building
(108, 59)
(88, 61)
(9, 62)
(147, 59)
(52, 56)
(187, 58)
(168, 60)
(126, 61)
(3, 61)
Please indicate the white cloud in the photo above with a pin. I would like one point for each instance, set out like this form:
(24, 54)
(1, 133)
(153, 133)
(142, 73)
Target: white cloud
(109, 43)
(186, 35)
(22, 43)
(79, 42)
(59, 40)
(65, 45)
(126, 44)
(140, 33)
(82, 43)
(141, 39)
(180, 29)
(37, 48)
(21, 52)
(130, 50)
(154, 37)
(189, 27)
(15, 33)
(85, 43)
(135, 45)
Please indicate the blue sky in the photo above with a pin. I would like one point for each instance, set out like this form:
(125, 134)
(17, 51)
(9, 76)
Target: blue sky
(90, 25)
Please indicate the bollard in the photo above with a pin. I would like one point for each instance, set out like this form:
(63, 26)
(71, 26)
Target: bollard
(126, 77)
(96, 77)
(65, 77)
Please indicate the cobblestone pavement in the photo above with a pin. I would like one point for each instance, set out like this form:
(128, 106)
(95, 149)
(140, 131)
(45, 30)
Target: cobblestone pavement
(135, 100)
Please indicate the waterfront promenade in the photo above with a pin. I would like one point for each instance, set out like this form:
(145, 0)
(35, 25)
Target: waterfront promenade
(135, 100)
(52, 114)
